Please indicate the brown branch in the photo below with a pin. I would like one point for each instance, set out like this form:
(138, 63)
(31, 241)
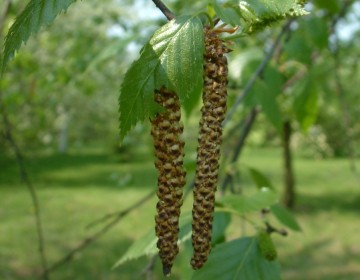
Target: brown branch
(250, 119)
(8, 135)
(115, 219)
(165, 10)
(259, 71)
(121, 213)
(27, 182)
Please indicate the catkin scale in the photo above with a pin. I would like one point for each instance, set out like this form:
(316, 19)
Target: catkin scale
(169, 151)
(209, 141)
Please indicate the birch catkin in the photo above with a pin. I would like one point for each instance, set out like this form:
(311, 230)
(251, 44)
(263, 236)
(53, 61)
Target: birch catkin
(169, 151)
(208, 153)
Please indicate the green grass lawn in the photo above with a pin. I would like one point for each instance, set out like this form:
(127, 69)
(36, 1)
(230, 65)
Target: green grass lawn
(80, 187)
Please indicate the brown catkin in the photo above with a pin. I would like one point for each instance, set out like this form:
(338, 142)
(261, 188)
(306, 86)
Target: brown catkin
(208, 153)
(169, 151)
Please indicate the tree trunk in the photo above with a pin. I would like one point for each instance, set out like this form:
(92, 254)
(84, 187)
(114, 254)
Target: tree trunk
(289, 190)
(63, 134)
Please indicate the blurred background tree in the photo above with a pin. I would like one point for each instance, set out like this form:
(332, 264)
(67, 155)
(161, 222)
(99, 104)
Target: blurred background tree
(61, 93)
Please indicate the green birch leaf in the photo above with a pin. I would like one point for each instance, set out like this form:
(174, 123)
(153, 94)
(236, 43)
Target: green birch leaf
(36, 14)
(221, 222)
(285, 217)
(260, 179)
(238, 259)
(247, 204)
(258, 14)
(173, 58)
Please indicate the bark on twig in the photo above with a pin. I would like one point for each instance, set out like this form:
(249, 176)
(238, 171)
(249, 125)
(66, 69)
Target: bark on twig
(165, 10)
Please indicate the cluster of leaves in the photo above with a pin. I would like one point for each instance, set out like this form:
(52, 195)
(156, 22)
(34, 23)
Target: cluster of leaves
(171, 58)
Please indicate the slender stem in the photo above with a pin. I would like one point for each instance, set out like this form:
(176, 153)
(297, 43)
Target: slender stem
(122, 213)
(259, 71)
(165, 10)
(148, 271)
(21, 163)
(26, 180)
(114, 220)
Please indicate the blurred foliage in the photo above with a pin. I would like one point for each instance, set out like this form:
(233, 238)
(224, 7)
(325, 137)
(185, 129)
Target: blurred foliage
(61, 88)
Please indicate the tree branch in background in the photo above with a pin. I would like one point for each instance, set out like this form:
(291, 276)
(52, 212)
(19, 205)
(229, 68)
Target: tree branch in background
(169, 15)
(122, 213)
(289, 195)
(346, 117)
(8, 135)
(26, 180)
(114, 217)
(148, 271)
(259, 71)
(252, 115)
(250, 119)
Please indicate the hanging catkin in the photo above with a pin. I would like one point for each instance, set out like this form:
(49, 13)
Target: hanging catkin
(208, 153)
(169, 151)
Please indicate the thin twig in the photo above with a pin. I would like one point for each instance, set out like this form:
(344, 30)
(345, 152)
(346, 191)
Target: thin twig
(21, 164)
(121, 213)
(116, 217)
(148, 271)
(259, 71)
(26, 180)
(250, 119)
(252, 115)
(165, 10)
